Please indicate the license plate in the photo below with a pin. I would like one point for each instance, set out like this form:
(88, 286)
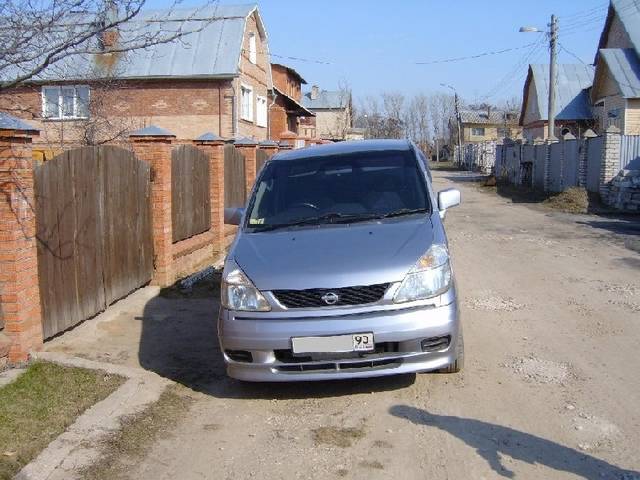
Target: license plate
(357, 342)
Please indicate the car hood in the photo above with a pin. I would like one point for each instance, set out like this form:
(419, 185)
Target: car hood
(333, 256)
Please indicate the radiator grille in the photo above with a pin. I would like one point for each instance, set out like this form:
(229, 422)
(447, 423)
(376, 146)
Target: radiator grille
(346, 296)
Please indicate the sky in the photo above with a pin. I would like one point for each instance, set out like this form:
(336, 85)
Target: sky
(374, 45)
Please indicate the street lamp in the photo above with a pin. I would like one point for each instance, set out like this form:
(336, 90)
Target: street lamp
(458, 120)
(553, 37)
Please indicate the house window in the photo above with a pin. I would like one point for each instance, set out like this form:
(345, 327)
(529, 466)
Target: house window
(253, 54)
(261, 111)
(477, 132)
(246, 103)
(66, 102)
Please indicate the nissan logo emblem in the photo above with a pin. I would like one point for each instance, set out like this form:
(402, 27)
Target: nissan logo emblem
(330, 298)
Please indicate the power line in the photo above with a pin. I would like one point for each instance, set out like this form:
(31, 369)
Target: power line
(564, 49)
(470, 57)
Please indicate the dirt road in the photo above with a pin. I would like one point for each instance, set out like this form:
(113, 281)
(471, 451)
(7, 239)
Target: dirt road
(551, 389)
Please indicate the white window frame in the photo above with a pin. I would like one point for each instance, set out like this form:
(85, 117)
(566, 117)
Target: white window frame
(253, 54)
(261, 111)
(248, 115)
(61, 116)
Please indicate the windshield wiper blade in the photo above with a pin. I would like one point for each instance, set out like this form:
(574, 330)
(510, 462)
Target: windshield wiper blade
(403, 211)
(308, 221)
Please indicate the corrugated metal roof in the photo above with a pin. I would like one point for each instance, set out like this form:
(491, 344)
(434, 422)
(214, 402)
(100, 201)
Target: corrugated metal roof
(629, 13)
(572, 100)
(152, 131)
(325, 99)
(625, 68)
(9, 122)
(212, 49)
(494, 117)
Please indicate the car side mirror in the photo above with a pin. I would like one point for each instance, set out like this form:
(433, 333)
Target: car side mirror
(233, 216)
(446, 199)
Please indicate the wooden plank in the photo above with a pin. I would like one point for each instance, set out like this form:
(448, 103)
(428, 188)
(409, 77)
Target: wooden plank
(234, 178)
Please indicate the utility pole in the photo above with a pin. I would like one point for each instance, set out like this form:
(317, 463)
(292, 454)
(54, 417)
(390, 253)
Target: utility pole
(553, 40)
(459, 120)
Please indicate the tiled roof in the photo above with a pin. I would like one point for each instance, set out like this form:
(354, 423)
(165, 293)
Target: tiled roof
(494, 117)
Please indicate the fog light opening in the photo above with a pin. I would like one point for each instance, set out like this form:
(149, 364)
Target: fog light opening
(435, 344)
(239, 356)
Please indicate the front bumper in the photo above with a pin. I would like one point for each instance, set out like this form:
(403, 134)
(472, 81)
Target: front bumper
(398, 335)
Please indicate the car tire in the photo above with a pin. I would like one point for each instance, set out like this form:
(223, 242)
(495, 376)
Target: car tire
(458, 365)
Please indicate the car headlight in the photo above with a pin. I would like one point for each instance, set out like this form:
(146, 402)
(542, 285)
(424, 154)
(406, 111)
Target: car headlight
(238, 293)
(429, 277)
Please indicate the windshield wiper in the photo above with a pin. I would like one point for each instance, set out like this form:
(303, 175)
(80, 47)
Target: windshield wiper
(331, 217)
(403, 211)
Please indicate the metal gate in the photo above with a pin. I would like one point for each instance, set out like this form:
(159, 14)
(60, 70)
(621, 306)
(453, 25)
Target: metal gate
(235, 188)
(630, 152)
(594, 162)
(93, 222)
(570, 159)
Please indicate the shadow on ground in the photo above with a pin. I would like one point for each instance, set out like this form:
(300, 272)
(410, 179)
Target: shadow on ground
(491, 441)
(179, 341)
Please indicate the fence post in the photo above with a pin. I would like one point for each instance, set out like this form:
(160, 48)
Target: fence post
(584, 157)
(247, 148)
(610, 160)
(547, 163)
(213, 146)
(20, 313)
(153, 145)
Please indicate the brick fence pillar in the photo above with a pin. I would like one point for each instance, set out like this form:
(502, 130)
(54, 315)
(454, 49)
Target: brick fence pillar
(247, 148)
(20, 313)
(154, 145)
(584, 157)
(610, 164)
(269, 147)
(213, 146)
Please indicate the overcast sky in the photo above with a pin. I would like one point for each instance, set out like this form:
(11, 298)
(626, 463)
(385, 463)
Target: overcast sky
(374, 45)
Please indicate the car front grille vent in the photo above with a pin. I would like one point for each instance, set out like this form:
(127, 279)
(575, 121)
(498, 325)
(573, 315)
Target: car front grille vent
(330, 297)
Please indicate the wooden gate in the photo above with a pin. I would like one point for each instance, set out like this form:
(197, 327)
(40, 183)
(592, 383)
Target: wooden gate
(190, 192)
(235, 189)
(261, 158)
(93, 221)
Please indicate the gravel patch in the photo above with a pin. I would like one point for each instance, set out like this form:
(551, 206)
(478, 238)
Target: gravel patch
(537, 370)
(494, 303)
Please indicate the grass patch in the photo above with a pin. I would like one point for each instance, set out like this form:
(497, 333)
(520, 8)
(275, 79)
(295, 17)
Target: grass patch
(40, 404)
(137, 434)
(338, 437)
(443, 166)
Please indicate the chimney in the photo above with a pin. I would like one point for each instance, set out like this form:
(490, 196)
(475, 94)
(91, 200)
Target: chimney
(109, 38)
(314, 92)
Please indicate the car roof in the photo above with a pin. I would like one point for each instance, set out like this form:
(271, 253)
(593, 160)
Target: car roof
(343, 148)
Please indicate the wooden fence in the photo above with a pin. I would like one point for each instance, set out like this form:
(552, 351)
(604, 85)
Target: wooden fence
(261, 158)
(93, 223)
(235, 190)
(190, 195)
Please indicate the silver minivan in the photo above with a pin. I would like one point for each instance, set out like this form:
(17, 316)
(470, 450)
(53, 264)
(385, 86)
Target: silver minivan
(340, 268)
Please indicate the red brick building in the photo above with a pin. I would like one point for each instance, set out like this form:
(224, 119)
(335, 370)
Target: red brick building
(215, 79)
(286, 110)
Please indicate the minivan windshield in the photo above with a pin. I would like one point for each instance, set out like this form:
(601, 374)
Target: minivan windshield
(338, 189)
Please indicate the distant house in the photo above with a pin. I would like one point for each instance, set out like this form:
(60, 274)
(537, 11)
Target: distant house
(616, 87)
(333, 113)
(573, 108)
(286, 109)
(215, 79)
(484, 125)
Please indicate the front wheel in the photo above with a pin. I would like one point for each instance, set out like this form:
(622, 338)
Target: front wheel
(458, 364)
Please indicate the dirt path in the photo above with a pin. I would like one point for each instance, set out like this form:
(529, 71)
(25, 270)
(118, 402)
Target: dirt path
(551, 308)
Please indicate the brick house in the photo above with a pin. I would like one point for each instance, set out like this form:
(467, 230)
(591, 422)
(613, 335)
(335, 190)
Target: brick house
(616, 87)
(333, 114)
(286, 110)
(485, 125)
(573, 107)
(215, 79)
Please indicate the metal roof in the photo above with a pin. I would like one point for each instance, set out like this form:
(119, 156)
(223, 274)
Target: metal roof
(209, 137)
(326, 100)
(244, 141)
(572, 100)
(152, 131)
(302, 110)
(9, 122)
(211, 49)
(494, 117)
(343, 148)
(629, 14)
(625, 69)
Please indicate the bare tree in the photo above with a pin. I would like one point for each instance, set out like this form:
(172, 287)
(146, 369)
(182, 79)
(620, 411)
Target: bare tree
(39, 35)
